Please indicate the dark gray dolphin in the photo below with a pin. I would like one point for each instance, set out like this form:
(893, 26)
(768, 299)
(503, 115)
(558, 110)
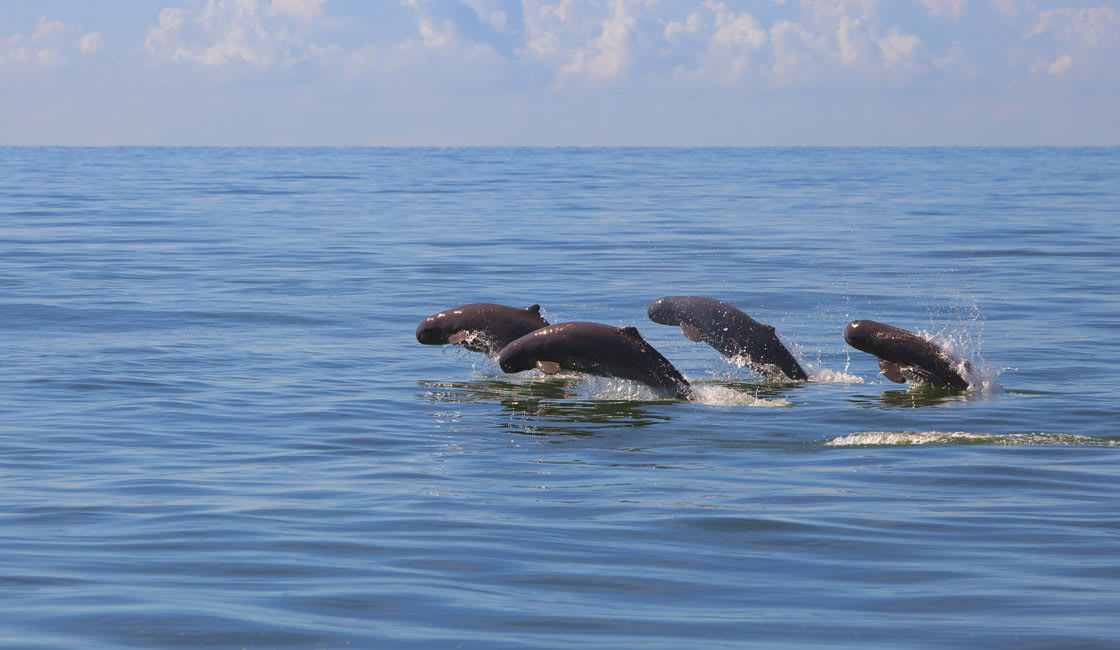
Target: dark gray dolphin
(904, 355)
(595, 349)
(480, 326)
(728, 330)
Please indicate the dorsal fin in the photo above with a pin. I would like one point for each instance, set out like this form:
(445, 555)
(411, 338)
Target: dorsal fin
(536, 309)
(632, 332)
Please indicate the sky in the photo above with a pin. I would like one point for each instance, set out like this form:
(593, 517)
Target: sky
(560, 72)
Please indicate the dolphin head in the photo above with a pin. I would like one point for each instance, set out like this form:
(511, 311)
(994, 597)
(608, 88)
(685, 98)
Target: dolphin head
(528, 351)
(433, 330)
(665, 311)
(515, 358)
(863, 335)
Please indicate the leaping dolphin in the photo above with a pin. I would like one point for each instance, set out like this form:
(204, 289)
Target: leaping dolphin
(595, 349)
(728, 330)
(480, 327)
(904, 355)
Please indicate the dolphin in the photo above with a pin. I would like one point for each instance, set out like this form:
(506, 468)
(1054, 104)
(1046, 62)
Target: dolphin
(480, 327)
(595, 349)
(904, 355)
(728, 330)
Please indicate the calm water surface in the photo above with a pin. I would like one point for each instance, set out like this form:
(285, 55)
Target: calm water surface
(217, 428)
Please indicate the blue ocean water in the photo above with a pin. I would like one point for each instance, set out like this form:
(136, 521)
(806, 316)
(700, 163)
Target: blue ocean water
(217, 428)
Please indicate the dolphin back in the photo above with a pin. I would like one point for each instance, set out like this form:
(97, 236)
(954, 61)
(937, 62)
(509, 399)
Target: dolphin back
(730, 331)
(481, 327)
(904, 352)
(595, 349)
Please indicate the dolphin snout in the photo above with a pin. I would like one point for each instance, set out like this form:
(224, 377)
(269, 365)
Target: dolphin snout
(852, 332)
(428, 334)
(660, 312)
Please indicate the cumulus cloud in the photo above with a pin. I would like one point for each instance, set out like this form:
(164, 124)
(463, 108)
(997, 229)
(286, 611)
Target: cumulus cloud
(802, 42)
(1096, 27)
(1060, 65)
(419, 55)
(491, 12)
(90, 43)
(716, 42)
(300, 9)
(228, 32)
(1080, 42)
(950, 7)
(606, 55)
(898, 46)
(52, 45)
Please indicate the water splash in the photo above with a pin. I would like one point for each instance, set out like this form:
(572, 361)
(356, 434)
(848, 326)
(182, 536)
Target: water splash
(866, 438)
(716, 395)
(826, 376)
(962, 348)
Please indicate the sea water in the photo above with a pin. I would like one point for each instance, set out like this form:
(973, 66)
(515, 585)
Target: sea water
(217, 428)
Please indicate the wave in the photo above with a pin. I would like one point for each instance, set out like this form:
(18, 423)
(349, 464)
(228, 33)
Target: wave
(866, 438)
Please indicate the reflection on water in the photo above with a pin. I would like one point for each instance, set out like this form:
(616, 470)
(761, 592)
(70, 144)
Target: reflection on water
(495, 390)
(546, 407)
(918, 397)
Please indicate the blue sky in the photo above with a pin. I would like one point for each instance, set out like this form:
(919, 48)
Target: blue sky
(560, 72)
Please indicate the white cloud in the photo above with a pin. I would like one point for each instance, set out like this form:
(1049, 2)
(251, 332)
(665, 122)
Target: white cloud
(1083, 43)
(51, 58)
(1013, 7)
(898, 46)
(90, 43)
(1060, 65)
(792, 51)
(951, 7)
(676, 32)
(827, 12)
(229, 32)
(548, 27)
(162, 38)
(420, 66)
(490, 12)
(852, 41)
(739, 32)
(49, 47)
(725, 44)
(1097, 27)
(50, 29)
(300, 9)
(608, 54)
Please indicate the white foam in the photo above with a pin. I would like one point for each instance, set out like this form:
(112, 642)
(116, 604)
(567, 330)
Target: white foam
(962, 348)
(713, 395)
(826, 376)
(963, 437)
(614, 389)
